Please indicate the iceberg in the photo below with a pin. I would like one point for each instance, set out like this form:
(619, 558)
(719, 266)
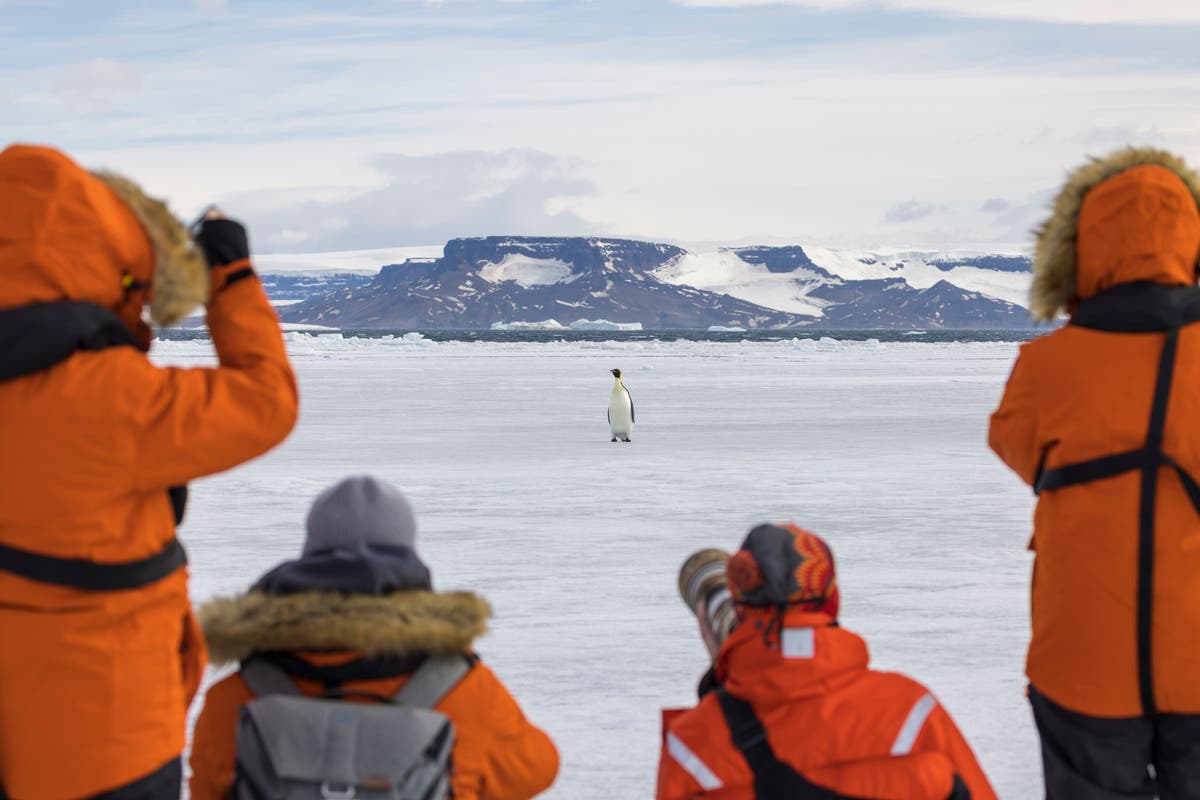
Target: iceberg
(291, 327)
(544, 325)
(604, 325)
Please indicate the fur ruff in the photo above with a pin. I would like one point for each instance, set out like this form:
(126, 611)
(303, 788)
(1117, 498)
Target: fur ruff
(398, 624)
(181, 279)
(1054, 255)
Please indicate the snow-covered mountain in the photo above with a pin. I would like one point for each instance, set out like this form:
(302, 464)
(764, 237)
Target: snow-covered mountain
(288, 288)
(479, 282)
(483, 281)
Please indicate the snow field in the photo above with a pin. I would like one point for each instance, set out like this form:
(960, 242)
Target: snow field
(503, 449)
(724, 271)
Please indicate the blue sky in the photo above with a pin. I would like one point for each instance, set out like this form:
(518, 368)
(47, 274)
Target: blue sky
(361, 124)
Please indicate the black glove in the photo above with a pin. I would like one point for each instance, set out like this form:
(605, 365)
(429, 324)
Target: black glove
(222, 240)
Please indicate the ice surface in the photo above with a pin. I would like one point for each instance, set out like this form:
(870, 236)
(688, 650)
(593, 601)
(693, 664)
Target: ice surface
(528, 272)
(726, 272)
(343, 260)
(577, 325)
(917, 271)
(505, 452)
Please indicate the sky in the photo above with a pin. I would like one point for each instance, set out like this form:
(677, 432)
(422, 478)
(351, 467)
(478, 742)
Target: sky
(872, 124)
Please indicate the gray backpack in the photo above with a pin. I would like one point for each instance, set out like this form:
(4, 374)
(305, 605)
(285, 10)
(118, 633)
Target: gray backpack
(293, 747)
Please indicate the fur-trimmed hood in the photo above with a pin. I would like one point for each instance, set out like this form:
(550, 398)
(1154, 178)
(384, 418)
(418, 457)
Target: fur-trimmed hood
(1143, 224)
(408, 622)
(67, 234)
(181, 280)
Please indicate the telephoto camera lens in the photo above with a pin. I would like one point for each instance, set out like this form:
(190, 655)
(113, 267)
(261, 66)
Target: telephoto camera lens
(702, 587)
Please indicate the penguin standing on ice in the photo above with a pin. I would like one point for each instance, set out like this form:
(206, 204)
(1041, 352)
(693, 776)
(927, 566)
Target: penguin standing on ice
(620, 410)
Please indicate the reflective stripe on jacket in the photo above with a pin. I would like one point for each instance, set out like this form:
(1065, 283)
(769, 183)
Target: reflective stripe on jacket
(842, 725)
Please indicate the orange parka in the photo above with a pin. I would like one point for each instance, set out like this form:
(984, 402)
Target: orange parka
(94, 685)
(1116, 578)
(498, 754)
(843, 726)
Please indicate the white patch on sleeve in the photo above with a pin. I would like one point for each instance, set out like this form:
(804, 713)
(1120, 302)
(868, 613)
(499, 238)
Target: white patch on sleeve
(799, 643)
(692, 763)
(912, 725)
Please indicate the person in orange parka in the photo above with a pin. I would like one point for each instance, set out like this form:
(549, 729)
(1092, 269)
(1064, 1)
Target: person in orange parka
(99, 652)
(795, 711)
(356, 613)
(1102, 418)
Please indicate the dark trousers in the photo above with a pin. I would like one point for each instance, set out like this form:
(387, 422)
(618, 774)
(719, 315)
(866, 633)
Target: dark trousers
(165, 783)
(1095, 758)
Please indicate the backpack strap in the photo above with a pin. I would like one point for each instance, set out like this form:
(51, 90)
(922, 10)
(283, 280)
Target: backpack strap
(960, 790)
(265, 678)
(772, 777)
(436, 676)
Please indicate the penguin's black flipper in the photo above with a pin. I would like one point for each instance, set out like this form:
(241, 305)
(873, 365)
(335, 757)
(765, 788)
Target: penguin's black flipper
(609, 415)
(632, 415)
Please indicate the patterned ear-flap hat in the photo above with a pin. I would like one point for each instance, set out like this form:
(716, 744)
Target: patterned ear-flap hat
(784, 565)
(181, 279)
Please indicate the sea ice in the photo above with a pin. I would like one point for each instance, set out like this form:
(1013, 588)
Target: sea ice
(504, 451)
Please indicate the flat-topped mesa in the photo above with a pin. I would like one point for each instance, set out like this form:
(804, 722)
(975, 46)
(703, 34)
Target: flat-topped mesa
(585, 254)
(780, 259)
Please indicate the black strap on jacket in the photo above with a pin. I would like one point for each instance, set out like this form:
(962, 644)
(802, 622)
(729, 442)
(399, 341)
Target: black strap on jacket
(1139, 308)
(79, 573)
(774, 779)
(34, 338)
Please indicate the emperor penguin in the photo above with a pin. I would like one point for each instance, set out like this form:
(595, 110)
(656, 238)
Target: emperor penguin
(620, 410)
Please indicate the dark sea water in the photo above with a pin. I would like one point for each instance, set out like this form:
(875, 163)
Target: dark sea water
(666, 335)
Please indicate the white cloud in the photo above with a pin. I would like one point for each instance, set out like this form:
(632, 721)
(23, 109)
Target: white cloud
(908, 211)
(424, 200)
(212, 5)
(680, 139)
(101, 75)
(289, 238)
(96, 86)
(1099, 12)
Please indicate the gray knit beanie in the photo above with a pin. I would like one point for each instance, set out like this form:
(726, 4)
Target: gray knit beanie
(359, 510)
